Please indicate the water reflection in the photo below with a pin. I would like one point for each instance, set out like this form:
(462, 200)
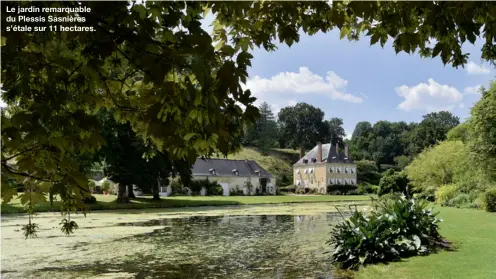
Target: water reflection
(262, 246)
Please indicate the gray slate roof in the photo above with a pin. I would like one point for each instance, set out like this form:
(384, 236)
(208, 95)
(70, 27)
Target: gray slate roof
(225, 167)
(329, 155)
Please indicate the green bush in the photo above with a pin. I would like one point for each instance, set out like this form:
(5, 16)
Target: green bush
(367, 172)
(365, 188)
(176, 186)
(106, 186)
(489, 200)
(393, 182)
(342, 189)
(291, 189)
(89, 200)
(236, 191)
(396, 228)
(91, 186)
(446, 193)
(212, 187)
(428, 194)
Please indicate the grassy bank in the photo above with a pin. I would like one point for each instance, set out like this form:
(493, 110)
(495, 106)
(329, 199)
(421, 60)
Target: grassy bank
(279, 162)
(107, 202)
(474, 235)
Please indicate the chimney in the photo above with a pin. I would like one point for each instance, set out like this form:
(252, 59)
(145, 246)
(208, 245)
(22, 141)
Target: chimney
(347, 151)
(319, 152)
(302, 152)
(337, 150)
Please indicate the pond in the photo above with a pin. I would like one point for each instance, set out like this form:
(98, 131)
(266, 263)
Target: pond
(263, 241)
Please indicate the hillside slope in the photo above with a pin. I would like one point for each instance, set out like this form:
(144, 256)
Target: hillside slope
(279, 162)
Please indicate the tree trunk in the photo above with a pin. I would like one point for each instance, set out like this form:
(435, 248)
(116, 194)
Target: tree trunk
(130, 192)
(156, 191)
(122, 194)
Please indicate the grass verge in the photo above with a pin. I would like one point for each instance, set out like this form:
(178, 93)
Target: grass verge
(107, 202)
(473, 233)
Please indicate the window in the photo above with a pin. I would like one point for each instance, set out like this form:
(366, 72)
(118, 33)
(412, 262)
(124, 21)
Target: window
(311, 170)
(352, 170)
(298, 171)
(298, 182)
(306, 171)
(331, 169)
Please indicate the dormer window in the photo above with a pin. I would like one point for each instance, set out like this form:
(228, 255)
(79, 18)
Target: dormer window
(305, 161)
(235, 172)
(257, 172)
(212, 171)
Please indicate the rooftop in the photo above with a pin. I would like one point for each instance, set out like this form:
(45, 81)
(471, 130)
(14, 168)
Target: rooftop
(225, 167)
(329, 155)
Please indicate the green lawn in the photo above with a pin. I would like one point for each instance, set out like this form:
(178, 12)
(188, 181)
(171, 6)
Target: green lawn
(107, 202)
(474, 235)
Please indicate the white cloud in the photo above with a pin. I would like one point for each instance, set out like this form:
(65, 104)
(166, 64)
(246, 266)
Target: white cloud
(365, 96)
(472, 89)
(475, 69)
(429, 97)
(292, 102)
(302, 82)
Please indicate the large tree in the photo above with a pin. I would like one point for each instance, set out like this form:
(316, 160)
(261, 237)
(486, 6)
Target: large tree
(131, 161)
(432, 129)
(482, 130)
(267, 128)
(335, 131)
(301, 125)
(155, 66)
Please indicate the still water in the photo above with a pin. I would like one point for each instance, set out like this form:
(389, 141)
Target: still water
(274, 241)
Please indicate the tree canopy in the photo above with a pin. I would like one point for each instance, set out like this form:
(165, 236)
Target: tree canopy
(154, 66)
(302, 125)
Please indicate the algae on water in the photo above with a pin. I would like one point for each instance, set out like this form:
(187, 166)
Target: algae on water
(262, 241)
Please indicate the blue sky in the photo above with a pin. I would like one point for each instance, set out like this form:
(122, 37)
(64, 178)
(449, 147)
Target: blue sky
(366, 83)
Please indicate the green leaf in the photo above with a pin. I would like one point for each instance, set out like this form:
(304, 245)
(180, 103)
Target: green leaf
(3, 41)
(141, 10)
(189, 136)
(345, 31)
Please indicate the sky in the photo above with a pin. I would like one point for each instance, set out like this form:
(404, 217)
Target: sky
(358, 82)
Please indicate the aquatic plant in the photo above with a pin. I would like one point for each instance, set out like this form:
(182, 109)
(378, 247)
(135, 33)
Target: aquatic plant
(395, 228)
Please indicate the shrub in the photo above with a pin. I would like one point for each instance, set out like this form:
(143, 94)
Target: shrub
(236, 191)
(341, 189)
(396, 227)
(89, 200)
(445, 193)
(176, 186)
(393, 182)
(489, 200)
(365, 188)
(91, 186)
(428, 194)
(368, 172)
(106, 186)
(287, 189)
(263, 184)
(212, 187)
